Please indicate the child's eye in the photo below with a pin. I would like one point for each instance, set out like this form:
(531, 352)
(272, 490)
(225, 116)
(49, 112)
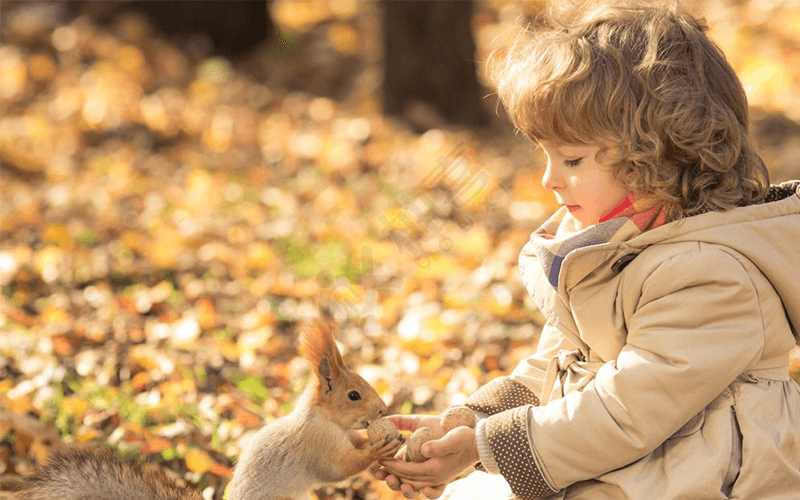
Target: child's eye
(573, 163)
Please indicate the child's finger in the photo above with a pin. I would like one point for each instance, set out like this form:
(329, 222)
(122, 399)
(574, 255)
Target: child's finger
(379, 473)
(405, 422)
(438, 448)
(408, 491)
(433, 491)
(450, 443)
(409, 471)
(393, 482)
(400, 467)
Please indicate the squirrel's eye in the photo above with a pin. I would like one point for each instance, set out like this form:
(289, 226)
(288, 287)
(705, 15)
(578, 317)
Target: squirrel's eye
(353, 396)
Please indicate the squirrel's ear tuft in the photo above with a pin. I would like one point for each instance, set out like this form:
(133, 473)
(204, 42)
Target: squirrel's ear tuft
(319, 348)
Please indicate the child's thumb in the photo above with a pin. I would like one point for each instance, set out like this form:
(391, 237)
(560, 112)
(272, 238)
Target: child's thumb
(439, 447)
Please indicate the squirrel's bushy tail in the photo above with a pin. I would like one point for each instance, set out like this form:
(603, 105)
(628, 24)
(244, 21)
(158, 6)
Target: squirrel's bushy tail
(76, 473)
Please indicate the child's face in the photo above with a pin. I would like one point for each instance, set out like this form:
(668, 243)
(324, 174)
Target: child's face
(587, 189)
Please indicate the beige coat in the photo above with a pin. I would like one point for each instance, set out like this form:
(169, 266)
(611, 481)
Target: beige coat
(662, 371)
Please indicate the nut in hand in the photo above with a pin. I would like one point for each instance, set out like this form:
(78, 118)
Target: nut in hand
(457, 416)
(413, 451)
(381, 430)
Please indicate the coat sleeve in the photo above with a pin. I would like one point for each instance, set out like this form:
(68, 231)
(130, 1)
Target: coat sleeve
(522, 387)
(692, 333)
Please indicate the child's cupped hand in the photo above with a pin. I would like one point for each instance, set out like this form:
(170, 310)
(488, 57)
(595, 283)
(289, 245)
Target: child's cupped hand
(447, 456)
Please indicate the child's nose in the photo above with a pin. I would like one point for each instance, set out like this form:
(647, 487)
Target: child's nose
(550, 179)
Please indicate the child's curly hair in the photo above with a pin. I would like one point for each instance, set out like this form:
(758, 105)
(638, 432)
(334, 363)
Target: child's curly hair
(646, 82)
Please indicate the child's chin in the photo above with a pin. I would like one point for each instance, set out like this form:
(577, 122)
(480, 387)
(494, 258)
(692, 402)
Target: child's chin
(579, 222)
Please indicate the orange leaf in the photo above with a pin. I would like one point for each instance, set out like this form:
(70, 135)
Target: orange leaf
(206, 313)
(199, 461)
(246, 418)
(62, 345)
(155, 445)
(20, 405)
(222, 470)
(140, 381)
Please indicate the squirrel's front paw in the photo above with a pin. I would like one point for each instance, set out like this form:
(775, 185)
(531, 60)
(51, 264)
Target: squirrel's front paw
(387, 447)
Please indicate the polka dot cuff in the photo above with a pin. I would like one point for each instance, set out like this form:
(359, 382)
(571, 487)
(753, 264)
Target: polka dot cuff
(501, 394)
(778, 192)
(507, 433)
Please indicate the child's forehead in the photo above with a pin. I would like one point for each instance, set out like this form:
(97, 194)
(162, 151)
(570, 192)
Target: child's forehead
(565, 147)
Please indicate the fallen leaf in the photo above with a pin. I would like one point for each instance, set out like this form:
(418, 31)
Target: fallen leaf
(198, 460)
(155, 445)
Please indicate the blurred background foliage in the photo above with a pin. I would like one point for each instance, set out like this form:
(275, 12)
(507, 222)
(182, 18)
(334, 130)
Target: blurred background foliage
(174, 209)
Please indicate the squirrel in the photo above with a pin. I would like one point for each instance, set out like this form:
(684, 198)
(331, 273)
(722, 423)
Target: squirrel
(316, 444)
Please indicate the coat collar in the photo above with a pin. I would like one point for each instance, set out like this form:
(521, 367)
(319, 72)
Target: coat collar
(765, 233)
(559, 237)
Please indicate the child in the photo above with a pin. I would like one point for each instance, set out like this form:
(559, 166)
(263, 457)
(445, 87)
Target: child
(669, 280)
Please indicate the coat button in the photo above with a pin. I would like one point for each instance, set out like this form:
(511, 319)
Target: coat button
(622, 262)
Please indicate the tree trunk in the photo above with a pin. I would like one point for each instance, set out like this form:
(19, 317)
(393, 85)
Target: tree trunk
(429, 57)
(235, 26)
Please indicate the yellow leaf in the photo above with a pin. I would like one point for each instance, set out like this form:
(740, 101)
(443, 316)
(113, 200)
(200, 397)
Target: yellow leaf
(228, 349)
(48, 258)
(348, 292)
(382, 387)
(788, 23)
(432, 365)
(202, 190)
(390, 310)
(75, 406)
(161, 292)
(20, 405)
(164, 251)
(87, 436)
(455, 299)
(437, 266)
(227, 489)
(528, 187)
(13, 74)
(199, 461)
(764, 78)
(55, 316)
(260, 255)
(134, 241)
(441, 379)
(439, 328)
(419, 347)
(477, 242)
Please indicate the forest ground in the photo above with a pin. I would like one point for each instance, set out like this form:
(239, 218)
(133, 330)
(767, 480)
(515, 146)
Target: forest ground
(170, 219)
